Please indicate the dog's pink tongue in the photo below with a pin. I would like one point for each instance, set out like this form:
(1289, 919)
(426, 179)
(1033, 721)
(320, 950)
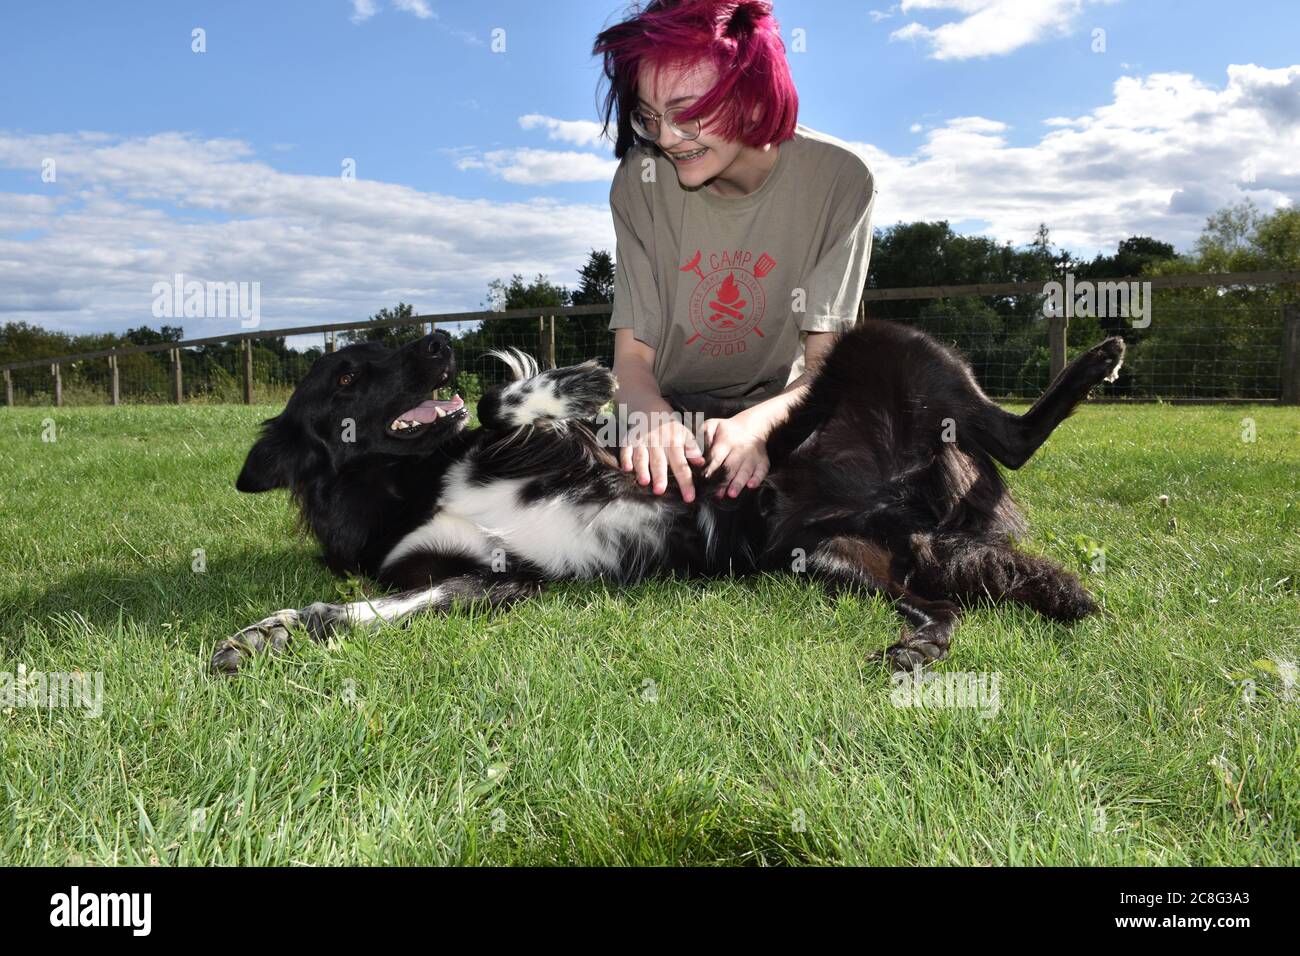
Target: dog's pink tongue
(427, 412)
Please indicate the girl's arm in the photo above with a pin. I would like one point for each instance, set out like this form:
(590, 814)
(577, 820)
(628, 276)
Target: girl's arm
(739, 443)
(766, 415)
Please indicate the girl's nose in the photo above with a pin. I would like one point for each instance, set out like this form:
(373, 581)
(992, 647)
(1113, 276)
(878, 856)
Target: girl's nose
(667, 138)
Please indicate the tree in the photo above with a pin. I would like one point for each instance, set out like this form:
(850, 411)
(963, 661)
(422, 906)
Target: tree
(144, 335)
(931, 253)
(1277, 240)
(541, 293)
(20, 341)
(1225, 244)
(591, 334)
(391, 335)
(595, 279)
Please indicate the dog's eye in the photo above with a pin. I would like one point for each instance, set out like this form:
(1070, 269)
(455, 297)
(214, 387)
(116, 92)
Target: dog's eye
(346, 379)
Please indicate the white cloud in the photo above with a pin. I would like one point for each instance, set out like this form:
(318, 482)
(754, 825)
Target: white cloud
(363, 10)
(578, 132)
(537, 167)
(419, 7)
(990, 27)
(976, 124)
(1164, 153)
(83, 253)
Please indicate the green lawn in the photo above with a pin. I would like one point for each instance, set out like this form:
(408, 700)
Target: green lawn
(730, 722)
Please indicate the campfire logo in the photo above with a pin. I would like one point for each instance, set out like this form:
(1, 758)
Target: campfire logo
(728, 302)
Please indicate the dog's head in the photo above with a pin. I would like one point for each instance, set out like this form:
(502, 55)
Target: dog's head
(363, 400)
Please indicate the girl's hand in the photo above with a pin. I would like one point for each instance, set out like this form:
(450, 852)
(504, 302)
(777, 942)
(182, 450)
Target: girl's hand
(737, 448)
(652, 454)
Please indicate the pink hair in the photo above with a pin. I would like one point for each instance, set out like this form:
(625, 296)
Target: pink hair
(740, 38)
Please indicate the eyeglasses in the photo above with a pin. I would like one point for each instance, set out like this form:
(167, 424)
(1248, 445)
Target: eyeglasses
(646, 124)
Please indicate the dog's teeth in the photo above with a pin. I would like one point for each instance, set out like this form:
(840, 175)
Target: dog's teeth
(439, 412)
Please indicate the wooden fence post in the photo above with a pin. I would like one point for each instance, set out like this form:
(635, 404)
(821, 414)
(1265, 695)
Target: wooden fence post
(862, 311)
(541, 337)
(9, 388)
(550, 346)
(177, 387)
(329, 342)
(1290, 394)
(114, 382)
(1056, 326)
(248, 370)
(58, 384)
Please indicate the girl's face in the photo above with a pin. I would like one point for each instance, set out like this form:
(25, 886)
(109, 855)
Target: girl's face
(698, 160)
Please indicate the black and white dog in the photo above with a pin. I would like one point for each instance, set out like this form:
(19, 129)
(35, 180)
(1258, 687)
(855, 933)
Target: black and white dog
(883, 479)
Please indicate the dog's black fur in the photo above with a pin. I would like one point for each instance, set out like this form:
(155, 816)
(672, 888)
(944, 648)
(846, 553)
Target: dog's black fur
(882, 480)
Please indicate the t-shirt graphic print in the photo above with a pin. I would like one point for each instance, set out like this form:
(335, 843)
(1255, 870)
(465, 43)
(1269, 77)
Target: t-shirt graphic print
(728, 301)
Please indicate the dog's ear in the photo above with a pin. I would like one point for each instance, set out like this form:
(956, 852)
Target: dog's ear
(267, 465)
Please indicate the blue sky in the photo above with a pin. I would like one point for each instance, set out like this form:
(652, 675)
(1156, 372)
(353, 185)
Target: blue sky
(473, 163)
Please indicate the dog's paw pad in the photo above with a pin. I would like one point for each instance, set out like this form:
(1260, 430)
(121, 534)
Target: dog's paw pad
(917, 649)
(268, 634)
(907, 657)
(1111, 356)
(227, 658)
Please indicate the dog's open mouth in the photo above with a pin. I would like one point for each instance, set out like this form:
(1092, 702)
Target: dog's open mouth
(427, 416)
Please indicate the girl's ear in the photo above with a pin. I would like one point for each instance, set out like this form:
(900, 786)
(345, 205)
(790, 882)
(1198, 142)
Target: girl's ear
(267, 465)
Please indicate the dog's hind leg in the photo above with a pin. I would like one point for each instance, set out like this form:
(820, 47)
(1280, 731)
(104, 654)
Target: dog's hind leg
(850, 563)
(320, 620)
(1013, 439)
(974, 570)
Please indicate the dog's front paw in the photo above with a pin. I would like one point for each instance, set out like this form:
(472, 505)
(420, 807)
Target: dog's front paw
(269, 634)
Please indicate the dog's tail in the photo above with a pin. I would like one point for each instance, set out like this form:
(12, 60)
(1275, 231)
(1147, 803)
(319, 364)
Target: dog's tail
(521, 364)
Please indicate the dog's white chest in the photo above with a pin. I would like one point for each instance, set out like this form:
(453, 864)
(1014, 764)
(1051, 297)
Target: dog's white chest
(561, 537)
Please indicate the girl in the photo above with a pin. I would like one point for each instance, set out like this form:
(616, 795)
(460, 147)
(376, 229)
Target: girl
(743, 238)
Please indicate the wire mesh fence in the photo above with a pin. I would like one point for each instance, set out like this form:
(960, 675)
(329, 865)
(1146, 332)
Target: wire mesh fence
(1190, 353)
(1227, 353)
(207, 375)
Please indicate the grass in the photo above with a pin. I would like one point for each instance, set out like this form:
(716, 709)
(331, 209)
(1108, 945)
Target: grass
(674, 723)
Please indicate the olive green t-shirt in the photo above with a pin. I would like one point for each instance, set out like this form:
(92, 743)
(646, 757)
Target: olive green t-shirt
(722, 287)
